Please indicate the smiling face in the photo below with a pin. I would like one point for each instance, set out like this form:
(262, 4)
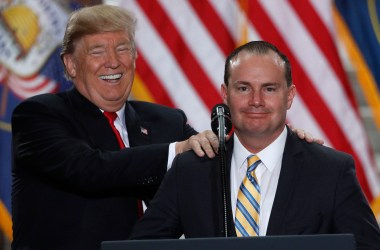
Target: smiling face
(258, 97)
(102, 67)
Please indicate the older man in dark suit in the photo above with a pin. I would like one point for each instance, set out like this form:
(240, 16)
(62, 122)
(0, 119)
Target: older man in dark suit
(292, 187)
(73, 185)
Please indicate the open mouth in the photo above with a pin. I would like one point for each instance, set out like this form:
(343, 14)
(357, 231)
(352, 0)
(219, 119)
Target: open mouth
(111, 77)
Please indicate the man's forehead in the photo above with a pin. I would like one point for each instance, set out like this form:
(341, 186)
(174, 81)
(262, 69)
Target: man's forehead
(102, 37)
(251, 55)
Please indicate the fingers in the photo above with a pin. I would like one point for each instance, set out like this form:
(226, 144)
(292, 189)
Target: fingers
(307, 136)
(196, 145)
(202, 143)
(310, 138)
(205, 143)
(319, 141)
(300, 133)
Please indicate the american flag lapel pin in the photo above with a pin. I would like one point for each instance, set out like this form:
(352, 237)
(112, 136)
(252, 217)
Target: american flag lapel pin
(144, 131)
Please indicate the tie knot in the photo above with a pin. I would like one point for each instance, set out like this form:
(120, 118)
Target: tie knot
(253, 162)
(111, 116)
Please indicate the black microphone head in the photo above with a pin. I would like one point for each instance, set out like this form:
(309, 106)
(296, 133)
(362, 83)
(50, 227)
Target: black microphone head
(226, 115)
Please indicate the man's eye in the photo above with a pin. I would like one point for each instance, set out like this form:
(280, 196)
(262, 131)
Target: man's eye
(96, 52)
(123, 49)
(242, 88)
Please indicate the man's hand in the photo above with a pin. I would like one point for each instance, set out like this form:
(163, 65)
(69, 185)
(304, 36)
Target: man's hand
(306, 135)
(205, 142)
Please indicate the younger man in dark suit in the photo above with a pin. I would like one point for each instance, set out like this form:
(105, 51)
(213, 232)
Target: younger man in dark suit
(293, 188)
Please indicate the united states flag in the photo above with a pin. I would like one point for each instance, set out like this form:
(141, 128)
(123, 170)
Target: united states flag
(182, 46)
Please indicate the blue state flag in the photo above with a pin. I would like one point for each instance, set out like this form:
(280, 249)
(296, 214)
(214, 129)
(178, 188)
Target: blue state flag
(361, 31)
(31, 33)
(359, 28)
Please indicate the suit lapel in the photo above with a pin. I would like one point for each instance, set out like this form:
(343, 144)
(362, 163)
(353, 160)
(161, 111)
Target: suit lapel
(91, 119)
(139, 132)
(230, 147)
(217, 211)
(290, 169)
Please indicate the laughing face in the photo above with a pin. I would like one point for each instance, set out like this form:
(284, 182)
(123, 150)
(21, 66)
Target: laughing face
(102, 68)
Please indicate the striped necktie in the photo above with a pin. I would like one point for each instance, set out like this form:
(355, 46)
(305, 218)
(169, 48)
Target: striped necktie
(248, 202)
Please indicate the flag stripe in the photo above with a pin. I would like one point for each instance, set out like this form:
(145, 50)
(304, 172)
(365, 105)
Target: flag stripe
(214, 24)
(322, 37)
(157, 91)
(196, 34)
(180, 51)
(300, 109)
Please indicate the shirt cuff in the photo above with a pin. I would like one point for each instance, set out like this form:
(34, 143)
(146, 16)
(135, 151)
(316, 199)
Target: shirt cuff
(171, 155)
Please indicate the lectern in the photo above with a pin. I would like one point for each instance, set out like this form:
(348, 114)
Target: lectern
(288, 242)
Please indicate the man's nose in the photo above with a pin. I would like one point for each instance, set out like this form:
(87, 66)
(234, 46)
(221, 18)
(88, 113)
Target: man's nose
(256, 98)
(112, 59)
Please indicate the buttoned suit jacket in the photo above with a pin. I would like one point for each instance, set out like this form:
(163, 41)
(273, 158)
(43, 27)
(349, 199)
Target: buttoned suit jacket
(317, 193)
(72, 185)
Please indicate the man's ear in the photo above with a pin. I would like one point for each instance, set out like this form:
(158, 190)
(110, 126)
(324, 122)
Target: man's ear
(223, 91)
(70, 65)
(291, 95)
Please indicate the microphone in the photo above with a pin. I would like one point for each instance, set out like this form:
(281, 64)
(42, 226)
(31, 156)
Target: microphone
(221, 120)
(221, 125)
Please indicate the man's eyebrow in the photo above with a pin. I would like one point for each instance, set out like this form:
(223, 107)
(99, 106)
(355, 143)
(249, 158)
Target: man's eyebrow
(95, 46)
(241, 82)
(271, 83)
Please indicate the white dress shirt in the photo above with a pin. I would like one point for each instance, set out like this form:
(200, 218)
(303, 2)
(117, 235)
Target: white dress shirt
(268, 173)
(121, 126)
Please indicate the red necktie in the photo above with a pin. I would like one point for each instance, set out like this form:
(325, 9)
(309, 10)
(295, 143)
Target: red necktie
(111, 117)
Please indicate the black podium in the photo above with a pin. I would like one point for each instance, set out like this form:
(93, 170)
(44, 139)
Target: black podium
(288, 242)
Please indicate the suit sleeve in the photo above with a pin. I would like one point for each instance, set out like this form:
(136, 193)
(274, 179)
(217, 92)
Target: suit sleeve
(49, 145)
(161, 219)
(352, 212)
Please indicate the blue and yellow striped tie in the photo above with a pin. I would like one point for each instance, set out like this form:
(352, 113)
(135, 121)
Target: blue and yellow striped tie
(248, 202)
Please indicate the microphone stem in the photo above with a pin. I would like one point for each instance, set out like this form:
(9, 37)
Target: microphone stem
(222, 161)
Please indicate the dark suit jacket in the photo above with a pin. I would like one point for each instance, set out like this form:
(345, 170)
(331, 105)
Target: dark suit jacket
(317, 193)
(72, 185)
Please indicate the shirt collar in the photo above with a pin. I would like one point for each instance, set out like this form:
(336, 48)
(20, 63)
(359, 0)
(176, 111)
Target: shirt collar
(120, 114)
(269, 156)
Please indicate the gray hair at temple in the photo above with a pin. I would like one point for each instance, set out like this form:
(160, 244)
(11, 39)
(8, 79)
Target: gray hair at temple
(97, 19)
(258, 48)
